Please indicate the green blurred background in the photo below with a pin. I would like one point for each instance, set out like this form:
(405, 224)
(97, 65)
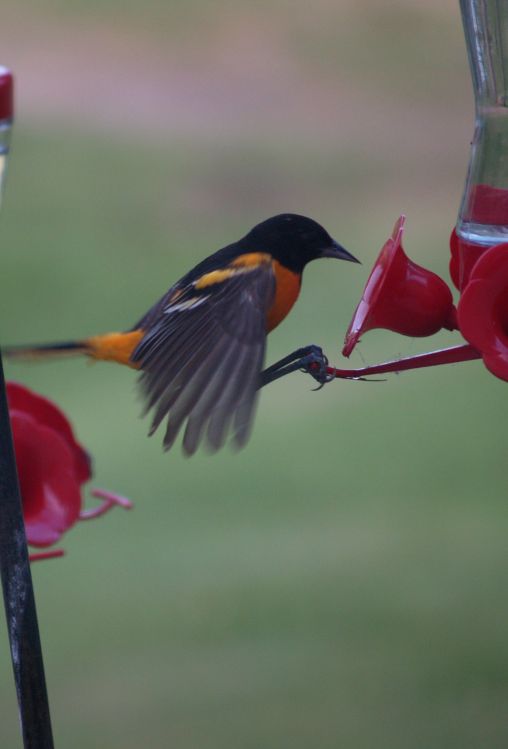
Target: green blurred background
(342, 581)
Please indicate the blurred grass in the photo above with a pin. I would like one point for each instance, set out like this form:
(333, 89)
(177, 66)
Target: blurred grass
(341, 582)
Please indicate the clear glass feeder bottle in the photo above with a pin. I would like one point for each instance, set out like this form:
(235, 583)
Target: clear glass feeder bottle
(483, 217)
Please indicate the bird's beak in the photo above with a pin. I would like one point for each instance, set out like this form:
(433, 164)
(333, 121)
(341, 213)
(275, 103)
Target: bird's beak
(336, 250)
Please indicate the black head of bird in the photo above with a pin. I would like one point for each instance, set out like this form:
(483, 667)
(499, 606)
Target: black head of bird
(294, 241)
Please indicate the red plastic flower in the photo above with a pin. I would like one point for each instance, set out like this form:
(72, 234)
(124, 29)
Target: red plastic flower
(483, 309)
(401, 296)
(52, 468)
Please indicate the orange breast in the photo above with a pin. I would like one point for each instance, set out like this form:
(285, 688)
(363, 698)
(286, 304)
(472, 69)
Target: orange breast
(286, 293)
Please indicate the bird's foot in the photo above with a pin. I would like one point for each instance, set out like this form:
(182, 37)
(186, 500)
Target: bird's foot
(310, 359)
(316, 364)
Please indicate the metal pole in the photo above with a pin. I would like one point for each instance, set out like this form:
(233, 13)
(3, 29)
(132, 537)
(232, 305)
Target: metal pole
(19, 599)
(15, 572)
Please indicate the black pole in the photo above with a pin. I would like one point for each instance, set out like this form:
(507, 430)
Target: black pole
(19, 599)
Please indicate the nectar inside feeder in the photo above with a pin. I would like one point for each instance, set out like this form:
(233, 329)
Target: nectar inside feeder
(401, 296)
(6, 116)
(6, 94)
(486, 208)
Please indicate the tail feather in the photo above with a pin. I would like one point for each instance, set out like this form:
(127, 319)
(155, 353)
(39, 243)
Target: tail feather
(117, 347)
(46, 350)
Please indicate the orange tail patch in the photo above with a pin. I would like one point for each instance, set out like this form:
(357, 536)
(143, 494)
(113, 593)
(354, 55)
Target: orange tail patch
(117, 347)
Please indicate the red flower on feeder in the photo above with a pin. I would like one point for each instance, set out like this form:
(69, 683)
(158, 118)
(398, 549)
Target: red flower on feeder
(401, 296)
(483, 309)
(52, 468)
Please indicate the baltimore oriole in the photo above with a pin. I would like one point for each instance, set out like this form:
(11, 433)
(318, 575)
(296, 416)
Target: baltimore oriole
(201, 347)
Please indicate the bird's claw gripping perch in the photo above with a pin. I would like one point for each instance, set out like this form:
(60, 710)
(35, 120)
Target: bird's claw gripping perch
(317, 365)
(309, 359)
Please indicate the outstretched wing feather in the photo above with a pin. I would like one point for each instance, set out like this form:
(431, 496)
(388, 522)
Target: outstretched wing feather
(202, 355)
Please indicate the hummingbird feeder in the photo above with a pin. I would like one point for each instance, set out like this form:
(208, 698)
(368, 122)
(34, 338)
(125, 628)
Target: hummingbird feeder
(408, 299)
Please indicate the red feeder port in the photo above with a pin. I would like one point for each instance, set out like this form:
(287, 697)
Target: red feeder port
(401, 296)
(483, 309)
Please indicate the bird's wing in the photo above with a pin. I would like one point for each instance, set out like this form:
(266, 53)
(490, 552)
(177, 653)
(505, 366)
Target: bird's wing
(202, 354)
